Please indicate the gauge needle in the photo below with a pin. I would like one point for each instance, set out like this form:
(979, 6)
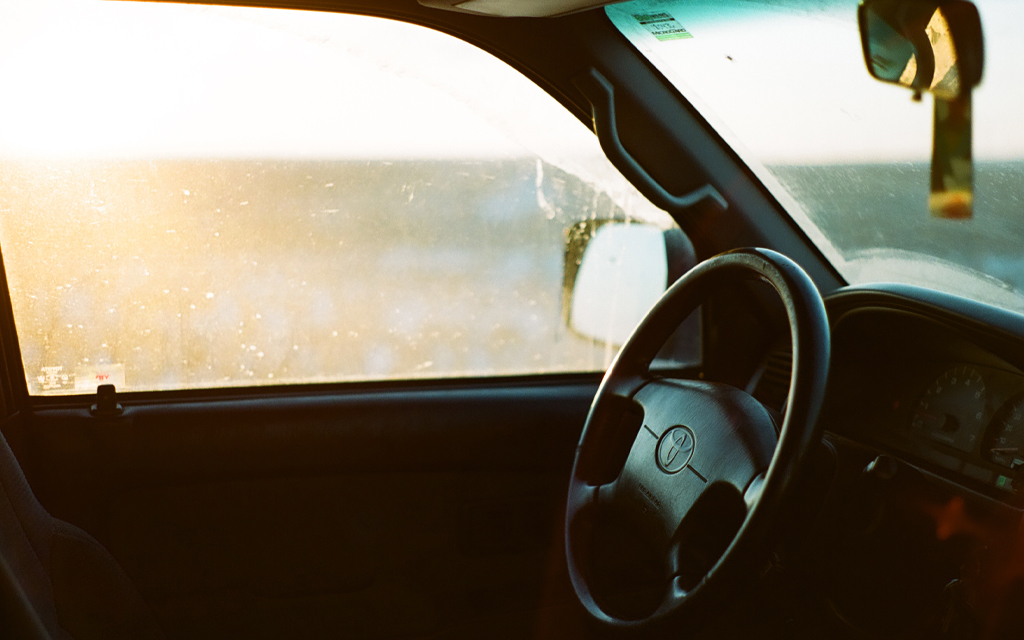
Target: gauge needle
(1005, 450)
(929, 414)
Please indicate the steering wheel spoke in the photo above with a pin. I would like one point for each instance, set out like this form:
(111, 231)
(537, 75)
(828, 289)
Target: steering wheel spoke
(583, 498)
(674, 596)
(752, 492)
(626, 387)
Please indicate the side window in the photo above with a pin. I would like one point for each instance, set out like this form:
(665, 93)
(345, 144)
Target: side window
(212, 197)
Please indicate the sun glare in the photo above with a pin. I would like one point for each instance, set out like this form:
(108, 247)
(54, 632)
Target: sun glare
(90, 79)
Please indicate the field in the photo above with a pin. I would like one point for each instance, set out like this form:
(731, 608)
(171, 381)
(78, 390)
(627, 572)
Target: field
(227, 273)
(861, 206)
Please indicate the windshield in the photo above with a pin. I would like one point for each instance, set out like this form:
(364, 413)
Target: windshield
(847, 156)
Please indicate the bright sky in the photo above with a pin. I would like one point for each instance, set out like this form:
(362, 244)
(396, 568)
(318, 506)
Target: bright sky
(85, 78)
(115, 79)
(119, 80)
(788, 80)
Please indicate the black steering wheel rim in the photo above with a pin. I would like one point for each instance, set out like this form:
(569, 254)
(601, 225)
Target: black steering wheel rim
(629, 374)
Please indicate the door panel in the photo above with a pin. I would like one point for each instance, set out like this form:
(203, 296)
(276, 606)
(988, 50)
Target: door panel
(399, 514)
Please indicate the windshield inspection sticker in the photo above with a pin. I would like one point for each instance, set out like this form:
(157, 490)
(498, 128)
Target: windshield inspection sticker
(662, 26)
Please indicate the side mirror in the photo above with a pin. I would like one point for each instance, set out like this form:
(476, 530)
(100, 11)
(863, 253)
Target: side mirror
(615, 271)
(925, 45)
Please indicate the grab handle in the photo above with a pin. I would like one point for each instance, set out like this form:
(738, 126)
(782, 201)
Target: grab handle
(601, 95)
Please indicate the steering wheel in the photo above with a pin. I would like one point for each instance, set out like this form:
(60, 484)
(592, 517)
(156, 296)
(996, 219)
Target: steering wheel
(705, 462)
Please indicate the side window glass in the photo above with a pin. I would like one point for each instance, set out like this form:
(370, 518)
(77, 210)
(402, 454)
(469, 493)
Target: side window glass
(204, 197)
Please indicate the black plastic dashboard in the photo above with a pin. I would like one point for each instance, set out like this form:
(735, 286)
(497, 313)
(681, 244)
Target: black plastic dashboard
(934, 380)
(917, 529)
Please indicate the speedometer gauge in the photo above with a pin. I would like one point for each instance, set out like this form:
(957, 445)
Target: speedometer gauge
(952, 410)
(1005, 442)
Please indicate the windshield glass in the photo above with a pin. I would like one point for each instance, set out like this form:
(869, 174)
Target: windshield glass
(785, 85)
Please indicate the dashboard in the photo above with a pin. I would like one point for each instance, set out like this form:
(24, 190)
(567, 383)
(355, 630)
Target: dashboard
(920, 480)
(934, 380)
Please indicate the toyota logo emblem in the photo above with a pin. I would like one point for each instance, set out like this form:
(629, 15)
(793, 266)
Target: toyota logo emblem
(675, 449)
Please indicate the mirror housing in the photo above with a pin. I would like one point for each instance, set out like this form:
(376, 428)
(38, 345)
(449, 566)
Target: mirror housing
(615, 271)
(924, 45)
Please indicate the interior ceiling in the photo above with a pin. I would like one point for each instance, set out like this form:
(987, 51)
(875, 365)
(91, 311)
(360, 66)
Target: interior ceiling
(490, 8)
(503, 8)
(516, 8)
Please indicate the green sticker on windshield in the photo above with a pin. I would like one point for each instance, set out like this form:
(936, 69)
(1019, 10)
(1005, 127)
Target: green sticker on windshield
(662, 26)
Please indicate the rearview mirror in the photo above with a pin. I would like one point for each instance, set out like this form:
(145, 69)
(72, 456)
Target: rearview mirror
(934, 46)
(924, 45)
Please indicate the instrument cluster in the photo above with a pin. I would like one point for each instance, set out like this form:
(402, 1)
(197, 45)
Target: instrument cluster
(932, 392)
(972, 417)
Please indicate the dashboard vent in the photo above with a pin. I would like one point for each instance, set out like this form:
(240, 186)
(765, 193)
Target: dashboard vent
(771, 383)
